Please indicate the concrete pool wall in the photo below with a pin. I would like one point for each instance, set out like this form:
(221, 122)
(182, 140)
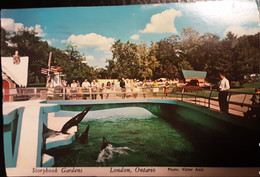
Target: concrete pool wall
(25, 120)
(12, 127)
(161, 107)
(23, 129)
(216, 135)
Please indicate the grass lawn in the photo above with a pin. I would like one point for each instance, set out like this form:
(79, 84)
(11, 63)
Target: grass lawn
(247, 87)
(252, 85)
(205, 93)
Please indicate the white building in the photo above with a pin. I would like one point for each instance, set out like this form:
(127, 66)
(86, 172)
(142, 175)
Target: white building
(14, 73)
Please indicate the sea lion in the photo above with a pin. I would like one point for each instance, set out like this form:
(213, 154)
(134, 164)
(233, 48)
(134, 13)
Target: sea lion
(74, 121)
(104, 143)
(47, 133)
(84, 136)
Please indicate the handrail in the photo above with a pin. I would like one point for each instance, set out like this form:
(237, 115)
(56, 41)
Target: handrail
(174, 93)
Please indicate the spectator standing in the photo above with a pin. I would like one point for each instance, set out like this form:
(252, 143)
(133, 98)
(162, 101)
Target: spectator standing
(101, 89)
(155, 88)
(166, 89)
(135, 89)
(108, 89)
(73, 90)
(128, 87)
(85, 89)
(94, 89)
(79, 92)
(144, 85)
(78, 83)
(223, 93)
(50, 90)
(123, 87)
(68, 93)
(255, 109)
(63, 83)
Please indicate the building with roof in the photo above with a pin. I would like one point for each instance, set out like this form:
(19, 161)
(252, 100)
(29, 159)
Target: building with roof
(14, 73)
(195, 75)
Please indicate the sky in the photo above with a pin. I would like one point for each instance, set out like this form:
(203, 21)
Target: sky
(94, 29)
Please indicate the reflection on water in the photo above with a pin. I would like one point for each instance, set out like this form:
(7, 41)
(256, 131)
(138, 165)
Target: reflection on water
(136, 138)
(119, 113)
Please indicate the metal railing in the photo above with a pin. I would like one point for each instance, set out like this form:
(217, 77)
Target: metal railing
(239, 102)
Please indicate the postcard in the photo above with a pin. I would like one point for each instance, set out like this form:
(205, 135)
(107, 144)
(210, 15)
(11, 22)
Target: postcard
(138, 89)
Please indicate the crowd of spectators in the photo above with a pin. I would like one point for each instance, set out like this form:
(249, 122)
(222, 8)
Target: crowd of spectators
(128, 88)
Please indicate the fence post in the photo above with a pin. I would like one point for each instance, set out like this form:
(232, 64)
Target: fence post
(35, 92)
(63, 93)
(196, 97)
(209, 98)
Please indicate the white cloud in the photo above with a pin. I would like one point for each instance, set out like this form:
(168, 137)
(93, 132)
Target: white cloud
(48, 41)
(135, 37)
(101, 43)
(162, 22)
(88, 58)
(240, 30)
(63, 41)
(53, 40)
(9, 25)
(150, 6)
(38, 30)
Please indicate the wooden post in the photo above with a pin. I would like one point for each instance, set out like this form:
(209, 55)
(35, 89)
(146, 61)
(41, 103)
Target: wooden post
(209, 98)
(49, 67)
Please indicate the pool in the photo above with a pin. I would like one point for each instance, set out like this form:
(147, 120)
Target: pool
(157, 133)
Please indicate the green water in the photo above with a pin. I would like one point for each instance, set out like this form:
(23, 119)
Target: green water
(133, 141)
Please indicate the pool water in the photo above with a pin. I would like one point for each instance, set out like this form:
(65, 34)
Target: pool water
(136, 138)
(179, 137)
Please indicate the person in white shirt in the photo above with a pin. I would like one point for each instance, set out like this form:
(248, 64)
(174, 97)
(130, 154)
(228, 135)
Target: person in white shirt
(73, 87)
(223, 93)
(85, 89)
(94, 89)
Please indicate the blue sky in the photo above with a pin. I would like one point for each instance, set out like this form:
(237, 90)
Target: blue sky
(94, 29)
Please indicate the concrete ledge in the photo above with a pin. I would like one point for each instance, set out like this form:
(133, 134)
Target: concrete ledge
(47, 161)
(61, 139)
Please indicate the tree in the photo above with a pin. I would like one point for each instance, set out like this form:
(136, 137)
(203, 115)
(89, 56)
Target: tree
(112, 69)
(165, 54)
(125, 56)
(27, 43)
(4, 43)
(147, 61)
(70, 61)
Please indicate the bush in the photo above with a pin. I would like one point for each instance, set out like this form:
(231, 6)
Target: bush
(37, 85)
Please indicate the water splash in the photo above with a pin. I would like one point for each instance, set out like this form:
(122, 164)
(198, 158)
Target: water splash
(110, 152)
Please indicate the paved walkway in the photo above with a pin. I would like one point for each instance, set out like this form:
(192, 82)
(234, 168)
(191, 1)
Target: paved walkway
(233, 109)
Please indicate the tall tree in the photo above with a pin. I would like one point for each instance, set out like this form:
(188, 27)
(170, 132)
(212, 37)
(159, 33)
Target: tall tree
(125, 56)
(27, 43)
(4, 43)
(70, 61)
(147, 62)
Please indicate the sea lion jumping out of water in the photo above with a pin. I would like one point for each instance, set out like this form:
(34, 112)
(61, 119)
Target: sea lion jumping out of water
(49, 132)
(84, 136)
(74, 121)
(104, 143)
